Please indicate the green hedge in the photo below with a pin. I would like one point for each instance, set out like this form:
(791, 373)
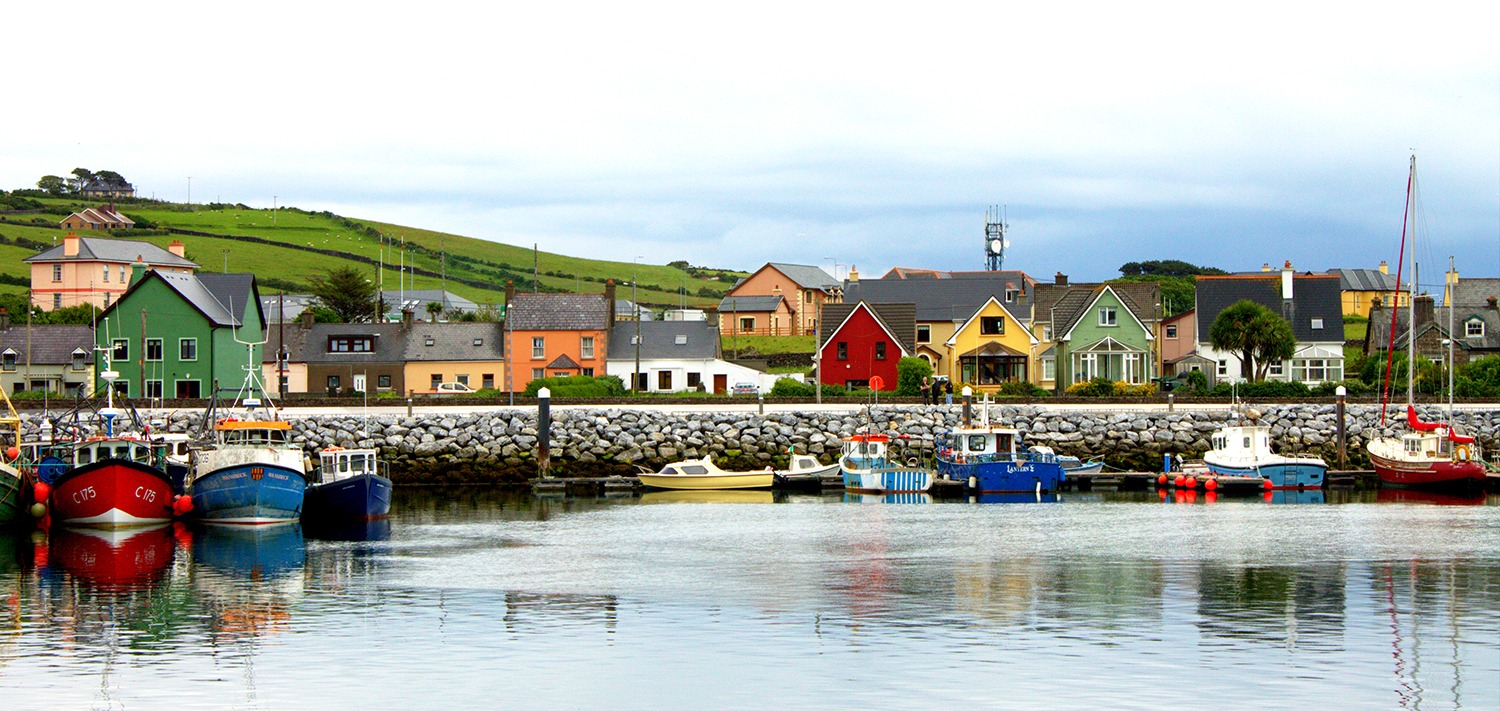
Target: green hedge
(579, 386)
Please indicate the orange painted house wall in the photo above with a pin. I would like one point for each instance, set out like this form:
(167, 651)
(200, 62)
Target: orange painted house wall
(557, 343)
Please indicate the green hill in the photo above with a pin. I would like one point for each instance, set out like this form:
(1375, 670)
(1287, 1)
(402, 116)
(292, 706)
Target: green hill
(301, 244)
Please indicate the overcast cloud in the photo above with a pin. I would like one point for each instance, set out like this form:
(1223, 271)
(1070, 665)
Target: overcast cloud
(863, 134)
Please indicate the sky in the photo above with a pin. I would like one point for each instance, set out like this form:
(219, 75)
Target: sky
(870, 135)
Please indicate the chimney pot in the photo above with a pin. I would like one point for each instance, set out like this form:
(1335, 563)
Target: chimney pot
(1061, 279)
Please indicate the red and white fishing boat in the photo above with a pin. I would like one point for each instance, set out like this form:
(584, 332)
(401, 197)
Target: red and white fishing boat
(1430, 454)
(109, 478)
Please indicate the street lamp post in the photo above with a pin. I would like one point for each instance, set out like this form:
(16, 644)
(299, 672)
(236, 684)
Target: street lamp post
(636, 305)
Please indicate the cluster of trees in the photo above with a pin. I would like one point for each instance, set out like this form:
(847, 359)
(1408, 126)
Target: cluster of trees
(60, 186)
(16, 306)
(1168, 268)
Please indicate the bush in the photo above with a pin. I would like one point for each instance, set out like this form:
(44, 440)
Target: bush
(579, 386)
(909, 374)
(1098, 387)
(1197, 381)
(1352, 387)
(1128, 390)
(789, 387)
(1019, 388)
(1262, 389)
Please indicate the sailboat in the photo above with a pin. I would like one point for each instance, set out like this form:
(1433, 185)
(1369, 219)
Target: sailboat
(1430, 454)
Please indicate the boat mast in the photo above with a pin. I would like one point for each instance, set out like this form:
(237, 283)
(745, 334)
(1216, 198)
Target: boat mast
(1390, 348)
(1411, 329)
(1448, 297)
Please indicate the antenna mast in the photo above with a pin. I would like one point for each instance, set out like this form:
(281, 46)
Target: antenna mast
(994, 237)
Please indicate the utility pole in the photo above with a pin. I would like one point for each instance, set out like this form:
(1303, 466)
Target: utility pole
(636, 304)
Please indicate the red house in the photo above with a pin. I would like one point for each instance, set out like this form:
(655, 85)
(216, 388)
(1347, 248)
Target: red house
(864, 340)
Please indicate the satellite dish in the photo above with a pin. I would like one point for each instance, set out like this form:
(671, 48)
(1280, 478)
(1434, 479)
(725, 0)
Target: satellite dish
(996, 246)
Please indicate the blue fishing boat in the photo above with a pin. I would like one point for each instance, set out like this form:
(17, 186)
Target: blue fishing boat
(249, 472)
(1069, 463)
(992, 460)
(347, 484)
(1245, 450)
(868, 466)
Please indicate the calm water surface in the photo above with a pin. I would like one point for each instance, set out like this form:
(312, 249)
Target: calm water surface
(467, 599)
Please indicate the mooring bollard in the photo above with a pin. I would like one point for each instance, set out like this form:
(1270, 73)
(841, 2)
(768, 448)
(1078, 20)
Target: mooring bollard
(1341, 392)
(760, 401)
(544, 432)
(1171, 401)
(968, 405)
(409, 393)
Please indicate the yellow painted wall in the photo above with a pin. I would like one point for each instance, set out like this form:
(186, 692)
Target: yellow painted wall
(419, 375)
(1016, 337)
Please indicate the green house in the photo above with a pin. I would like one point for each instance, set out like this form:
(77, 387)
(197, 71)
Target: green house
(1109, 333)
(176, 335)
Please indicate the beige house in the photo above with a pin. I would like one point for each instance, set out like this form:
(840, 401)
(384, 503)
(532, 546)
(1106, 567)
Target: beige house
(458, 352)
(97, 218)
(778, 300)
(97, 270)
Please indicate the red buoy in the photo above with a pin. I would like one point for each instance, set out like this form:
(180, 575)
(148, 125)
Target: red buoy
(1211, 484)
(1161, 480)
(1178, 482)
(12, 452)
(1192, 482)
(41, 491)
(1266, 483)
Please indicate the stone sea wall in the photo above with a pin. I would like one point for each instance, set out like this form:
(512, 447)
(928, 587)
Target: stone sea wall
(501, 447)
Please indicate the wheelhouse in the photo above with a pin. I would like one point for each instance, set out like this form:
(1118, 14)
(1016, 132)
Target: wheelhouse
(339, 464)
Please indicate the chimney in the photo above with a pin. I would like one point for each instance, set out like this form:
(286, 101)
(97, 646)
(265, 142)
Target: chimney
(1061, 279)
(1286, 281)
(137, 270)
(1423, 309)
(1265, 266)
(510, 295)
(4, 320)
(407, 317)
(1491, 302)
(609, 300)
(1384, 269)
(70, 245)
(305, 319)
(853, 274)
(178, 248)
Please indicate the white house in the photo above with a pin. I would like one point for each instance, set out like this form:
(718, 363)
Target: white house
(675, 356)
(1311, 303)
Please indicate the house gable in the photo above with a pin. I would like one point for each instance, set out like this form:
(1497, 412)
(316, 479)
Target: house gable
(992, 308)
(1105, 297)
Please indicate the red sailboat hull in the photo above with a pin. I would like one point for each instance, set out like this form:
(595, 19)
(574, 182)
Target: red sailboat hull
(1428, 473)
(112, 493)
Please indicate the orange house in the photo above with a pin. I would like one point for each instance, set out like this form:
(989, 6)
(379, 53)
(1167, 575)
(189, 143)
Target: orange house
(557, 335)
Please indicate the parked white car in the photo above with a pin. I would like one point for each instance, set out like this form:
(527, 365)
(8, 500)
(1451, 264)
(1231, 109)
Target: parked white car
(452, 389)
(744, 389)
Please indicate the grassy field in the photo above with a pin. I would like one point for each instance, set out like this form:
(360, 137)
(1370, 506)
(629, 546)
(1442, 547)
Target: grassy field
(288, 264)
(767, 345)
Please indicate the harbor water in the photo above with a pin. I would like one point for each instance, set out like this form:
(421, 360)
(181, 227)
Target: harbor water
(476, 599)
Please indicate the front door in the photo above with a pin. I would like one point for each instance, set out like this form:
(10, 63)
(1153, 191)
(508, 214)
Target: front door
(721, 383)
(359, 382)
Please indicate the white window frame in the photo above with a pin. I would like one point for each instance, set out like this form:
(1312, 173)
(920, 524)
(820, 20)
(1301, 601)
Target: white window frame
(538, 347)
(1317, 324)
(56, 273)
(1223, 369)
(1470, 331)
(586, 347)
(1049, 369)
(182, 344)
(1109, 316)
(1171, 330)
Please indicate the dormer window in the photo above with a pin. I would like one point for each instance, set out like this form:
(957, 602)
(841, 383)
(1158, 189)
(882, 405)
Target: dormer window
(79, 359)
(351, 344)
(8, 360)
(428, 341)
(682, 339)
(479, 341)
(1010, 295)
(1317, 324)
(1474, 329)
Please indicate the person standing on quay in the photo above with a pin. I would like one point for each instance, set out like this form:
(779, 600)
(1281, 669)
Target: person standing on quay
(926, 390)
(948, 390)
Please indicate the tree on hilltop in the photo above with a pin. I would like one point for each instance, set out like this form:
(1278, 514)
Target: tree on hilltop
(1168, 268)
(53, 185)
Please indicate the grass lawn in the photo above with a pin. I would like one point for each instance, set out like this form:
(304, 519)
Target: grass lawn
(767, 345)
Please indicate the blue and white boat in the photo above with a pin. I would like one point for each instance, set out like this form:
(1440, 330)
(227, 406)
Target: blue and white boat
(1245, 450)
(249, 472)
(868, 467)
(1069, 463)
(992, 460)
(347, 484)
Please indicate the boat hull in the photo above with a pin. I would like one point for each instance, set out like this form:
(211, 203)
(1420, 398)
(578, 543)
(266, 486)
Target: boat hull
(891, 480)
(1281, 475)
(12, 500)
(1004, 477)
(748, 480)
(251, 493)
(361, 496)
(112, 493)
(1440, 473)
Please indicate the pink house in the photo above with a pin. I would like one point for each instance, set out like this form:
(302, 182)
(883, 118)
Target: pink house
(97, 270)
(1179, 342)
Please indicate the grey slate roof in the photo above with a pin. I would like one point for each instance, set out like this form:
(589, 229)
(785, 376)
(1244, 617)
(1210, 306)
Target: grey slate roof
(123, 251)
(1063, 305)
(50, 344)
(559, 312)
(626, 307)
(390, 346)
(296, 342)
(659, 340)
(952, 298)
(1364, 280)
(1474, 292)
(210, 294)
(1378, 333)
(418, 299)
(899, 319)
(232, 291)
(807, 277)
(749, 304)
(455, 342)
(1314, 296)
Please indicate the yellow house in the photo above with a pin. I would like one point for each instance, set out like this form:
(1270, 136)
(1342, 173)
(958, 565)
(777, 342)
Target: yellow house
(469, 353)
(991, 348)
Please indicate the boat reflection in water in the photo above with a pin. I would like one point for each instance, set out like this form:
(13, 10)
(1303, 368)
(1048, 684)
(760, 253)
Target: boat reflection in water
(901, 498)
(113, 559)
(1440, 498)
(709, 496)
(1292, 496)
(1025, 498)
(375, 529)
(247, 578)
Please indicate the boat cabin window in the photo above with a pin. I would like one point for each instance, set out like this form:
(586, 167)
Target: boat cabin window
(668, 471)
(1413, 445)
(1247, 443)
(978, 443)
(85, 455)
(694, 469)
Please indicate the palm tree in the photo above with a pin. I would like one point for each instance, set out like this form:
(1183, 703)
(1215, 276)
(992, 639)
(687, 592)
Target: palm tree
(1258, 335)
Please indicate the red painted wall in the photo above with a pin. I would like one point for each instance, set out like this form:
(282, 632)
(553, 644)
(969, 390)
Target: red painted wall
(861, 332)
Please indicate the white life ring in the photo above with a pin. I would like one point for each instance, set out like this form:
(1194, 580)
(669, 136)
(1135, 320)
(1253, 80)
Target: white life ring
(1462, 452)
